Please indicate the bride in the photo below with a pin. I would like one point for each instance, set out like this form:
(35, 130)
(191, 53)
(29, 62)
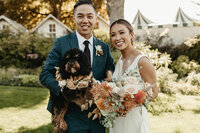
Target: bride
(121, 34)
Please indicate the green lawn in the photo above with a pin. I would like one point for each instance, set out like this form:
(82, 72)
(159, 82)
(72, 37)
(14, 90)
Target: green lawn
(23, 110)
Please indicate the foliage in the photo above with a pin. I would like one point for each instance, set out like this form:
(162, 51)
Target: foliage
(24, 97)
(190, 48)
(163, 104)
(42, 129)
(31, 12)
(182, 66)
(13, 77)
(102, 35)
(189, 85)
(166, 80)
(23, 50)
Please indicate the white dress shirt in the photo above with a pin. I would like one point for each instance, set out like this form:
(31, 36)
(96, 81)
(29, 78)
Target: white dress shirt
(81, 39)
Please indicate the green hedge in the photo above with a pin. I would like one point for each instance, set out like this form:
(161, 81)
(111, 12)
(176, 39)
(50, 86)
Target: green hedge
(24, 50)
(13, 77)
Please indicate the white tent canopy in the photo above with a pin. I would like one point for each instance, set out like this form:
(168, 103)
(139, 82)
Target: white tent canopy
(140, 20)
(181, 17)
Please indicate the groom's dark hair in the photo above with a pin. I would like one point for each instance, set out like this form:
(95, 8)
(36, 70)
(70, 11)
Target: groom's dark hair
(84, 2)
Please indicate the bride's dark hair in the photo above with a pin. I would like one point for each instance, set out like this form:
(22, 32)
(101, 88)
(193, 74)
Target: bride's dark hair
(124, 22)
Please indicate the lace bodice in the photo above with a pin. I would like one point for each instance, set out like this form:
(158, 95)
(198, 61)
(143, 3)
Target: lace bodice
(132, 70)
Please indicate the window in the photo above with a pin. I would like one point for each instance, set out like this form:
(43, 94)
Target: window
(150, 27)
(175, 25)
(139, 27)
(5, 27)
(52, 35)
(185, 25)
(52, 30)
(160, 26)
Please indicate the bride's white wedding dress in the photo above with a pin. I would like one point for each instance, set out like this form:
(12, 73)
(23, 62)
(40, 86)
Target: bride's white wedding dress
(136, 121)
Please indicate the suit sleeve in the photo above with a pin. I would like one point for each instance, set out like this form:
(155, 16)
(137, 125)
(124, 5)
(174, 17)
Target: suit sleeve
(47, 76)
(110, 63)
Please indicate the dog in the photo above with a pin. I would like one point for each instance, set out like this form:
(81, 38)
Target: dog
(74, 76)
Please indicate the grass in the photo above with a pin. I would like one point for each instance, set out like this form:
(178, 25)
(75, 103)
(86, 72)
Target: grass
(23, 109)
(23, 97)
(185, 122)
(31, 116)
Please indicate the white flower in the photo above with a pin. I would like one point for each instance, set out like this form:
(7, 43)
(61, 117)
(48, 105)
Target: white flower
(132, 88)
(111, 84)
(99, 50)
(116, 90)
(131, 80)
(62, 83)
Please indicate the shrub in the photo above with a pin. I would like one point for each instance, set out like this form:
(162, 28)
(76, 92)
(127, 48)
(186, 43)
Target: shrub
(14, 78)
(164, 104)
(189, 85)
(23, 50)
(103, 36)
(166, 80)
(182, 66)
(190, 48)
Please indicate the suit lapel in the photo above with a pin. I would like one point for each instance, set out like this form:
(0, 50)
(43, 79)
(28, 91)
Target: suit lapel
(94, 53)
(73, 41)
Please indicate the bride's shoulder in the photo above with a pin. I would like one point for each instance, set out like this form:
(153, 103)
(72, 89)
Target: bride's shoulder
(144, 60)
(145, 64)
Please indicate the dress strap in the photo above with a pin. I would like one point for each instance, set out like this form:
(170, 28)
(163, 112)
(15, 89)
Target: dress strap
(138, 58)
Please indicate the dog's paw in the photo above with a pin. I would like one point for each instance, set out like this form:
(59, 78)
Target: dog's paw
(90, 103)
(84, 106)
(96, 112)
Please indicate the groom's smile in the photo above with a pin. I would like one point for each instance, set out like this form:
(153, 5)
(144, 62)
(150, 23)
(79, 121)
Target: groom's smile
(85, 19)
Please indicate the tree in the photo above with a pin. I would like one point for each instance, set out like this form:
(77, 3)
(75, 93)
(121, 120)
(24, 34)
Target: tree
(30, 13)
(115, 9)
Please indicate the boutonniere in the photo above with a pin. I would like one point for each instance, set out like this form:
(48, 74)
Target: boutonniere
(99, 50)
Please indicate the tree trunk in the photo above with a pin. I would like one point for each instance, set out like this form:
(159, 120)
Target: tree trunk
(115, 9)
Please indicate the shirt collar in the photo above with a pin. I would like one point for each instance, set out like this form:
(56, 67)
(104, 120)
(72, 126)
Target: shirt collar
(81, 39)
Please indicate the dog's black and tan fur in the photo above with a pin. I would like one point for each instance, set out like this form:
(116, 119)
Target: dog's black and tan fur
(74, 67)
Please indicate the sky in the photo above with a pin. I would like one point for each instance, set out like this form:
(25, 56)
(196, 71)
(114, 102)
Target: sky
(160, 11)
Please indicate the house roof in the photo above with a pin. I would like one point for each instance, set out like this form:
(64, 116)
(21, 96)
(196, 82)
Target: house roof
(13, 23)
(181, 17)
(101, 18)
(140, 20)
(58, 21)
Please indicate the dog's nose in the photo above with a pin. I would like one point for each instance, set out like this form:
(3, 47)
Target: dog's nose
(71, 65)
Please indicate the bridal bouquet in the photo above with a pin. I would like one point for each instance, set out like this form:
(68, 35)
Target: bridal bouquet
(117, 98)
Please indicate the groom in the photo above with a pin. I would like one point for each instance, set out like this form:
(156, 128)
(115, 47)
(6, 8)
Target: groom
(85, 18)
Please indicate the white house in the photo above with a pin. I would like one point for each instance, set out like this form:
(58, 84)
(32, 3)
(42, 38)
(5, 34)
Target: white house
(13, 26)
(180, 30)
(52, 27)
(102, 24)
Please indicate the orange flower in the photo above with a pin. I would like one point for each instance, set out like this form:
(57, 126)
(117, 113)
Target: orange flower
(140, 97)
(101, 105)
(128, 104)
(106, 88)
